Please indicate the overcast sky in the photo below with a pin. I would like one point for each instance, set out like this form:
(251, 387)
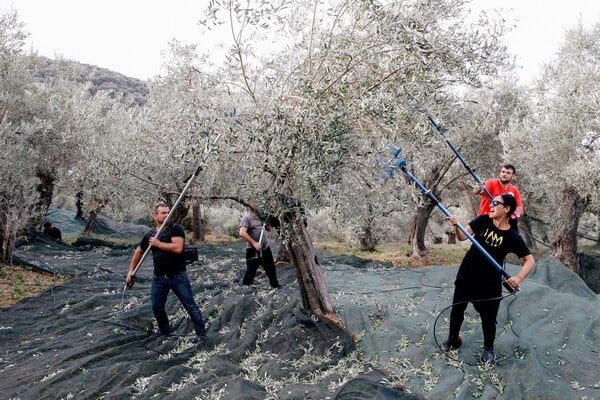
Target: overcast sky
(130, 36)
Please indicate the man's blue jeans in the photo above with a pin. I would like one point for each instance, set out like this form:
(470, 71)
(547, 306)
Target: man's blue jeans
(180, 285)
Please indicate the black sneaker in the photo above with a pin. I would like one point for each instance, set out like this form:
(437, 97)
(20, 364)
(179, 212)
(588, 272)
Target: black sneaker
(488, 357)
(451, 344)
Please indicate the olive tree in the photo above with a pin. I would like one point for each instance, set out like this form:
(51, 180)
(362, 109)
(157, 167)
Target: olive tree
(320, 110)
(558, 140)
(104, 129)
(37, 138)
(174, 133)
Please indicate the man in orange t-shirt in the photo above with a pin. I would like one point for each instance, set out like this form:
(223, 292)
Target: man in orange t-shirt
(500, 186)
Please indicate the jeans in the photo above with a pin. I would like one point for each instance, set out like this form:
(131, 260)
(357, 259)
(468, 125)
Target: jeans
(253, 260)
(180, 285)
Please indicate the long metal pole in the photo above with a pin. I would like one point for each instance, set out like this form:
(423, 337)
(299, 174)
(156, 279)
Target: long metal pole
(462, 160)
(160, 229)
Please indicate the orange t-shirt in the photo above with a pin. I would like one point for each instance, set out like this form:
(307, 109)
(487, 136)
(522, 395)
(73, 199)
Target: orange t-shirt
(495, 188)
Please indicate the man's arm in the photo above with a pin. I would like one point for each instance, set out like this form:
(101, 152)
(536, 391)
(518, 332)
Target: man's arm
(137, 255)
(175, 246)
(520, 208)
(246, 236)
(478, 189)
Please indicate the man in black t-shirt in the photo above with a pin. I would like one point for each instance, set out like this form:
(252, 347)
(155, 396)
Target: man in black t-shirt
(169, 272)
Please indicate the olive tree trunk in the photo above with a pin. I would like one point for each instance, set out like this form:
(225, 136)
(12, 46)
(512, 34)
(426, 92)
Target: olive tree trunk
(8, 234)
(100, 204)
(425, 207)
(198, 222)
(313, 290)
(564, 244)
(367, 238)
(418, 228)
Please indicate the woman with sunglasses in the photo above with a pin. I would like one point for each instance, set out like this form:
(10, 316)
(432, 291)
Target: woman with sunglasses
(477, 280)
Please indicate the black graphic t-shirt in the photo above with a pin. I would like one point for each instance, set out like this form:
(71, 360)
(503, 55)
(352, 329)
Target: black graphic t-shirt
(475, 268)
(165, 262)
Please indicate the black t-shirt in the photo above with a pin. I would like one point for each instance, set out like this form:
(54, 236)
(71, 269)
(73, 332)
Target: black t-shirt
(165, 262)
(476, 269)
(54, 232)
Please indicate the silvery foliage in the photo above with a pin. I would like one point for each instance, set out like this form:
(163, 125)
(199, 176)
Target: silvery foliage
(104, 130)
(177, 131)
(316, 113)
(558, 142)
(17, 186)
(37, 127)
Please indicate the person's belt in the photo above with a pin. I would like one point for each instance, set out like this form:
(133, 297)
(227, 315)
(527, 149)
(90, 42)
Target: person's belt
(167, 276)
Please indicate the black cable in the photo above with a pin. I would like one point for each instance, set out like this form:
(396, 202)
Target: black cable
(447, 353)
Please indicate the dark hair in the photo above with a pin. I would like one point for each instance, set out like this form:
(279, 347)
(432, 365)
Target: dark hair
(511, 203)
(157, 206)
(509, 166)
(47, 224)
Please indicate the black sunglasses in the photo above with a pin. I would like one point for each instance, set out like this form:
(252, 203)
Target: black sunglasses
(494, 203)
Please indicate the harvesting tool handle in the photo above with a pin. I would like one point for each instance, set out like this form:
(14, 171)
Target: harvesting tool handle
(164, 224)
(462, 160)
(198, 169)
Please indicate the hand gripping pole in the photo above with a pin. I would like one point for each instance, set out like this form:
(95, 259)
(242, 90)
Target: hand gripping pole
(462, 160)
(400, 163)
(160, 229)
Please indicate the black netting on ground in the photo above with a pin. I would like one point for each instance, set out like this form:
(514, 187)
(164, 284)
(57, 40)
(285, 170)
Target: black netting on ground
(590, 270)
(69, 225)
(84, 340)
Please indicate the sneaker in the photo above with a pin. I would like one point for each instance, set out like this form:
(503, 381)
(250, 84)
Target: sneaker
(451, 344)
(488, 357)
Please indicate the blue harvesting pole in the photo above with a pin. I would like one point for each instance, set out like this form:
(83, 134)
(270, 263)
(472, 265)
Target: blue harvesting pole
(462, 160)
(400, 163)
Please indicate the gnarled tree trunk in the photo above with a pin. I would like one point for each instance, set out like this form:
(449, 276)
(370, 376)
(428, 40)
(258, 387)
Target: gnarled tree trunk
(425, 207)
(180, 212)
(8, 233)
(367, 238)
(564, 244)
(315, 297)
(418, 228)
(100, 204)
(198, 223)
(45, 191)
(79, 205)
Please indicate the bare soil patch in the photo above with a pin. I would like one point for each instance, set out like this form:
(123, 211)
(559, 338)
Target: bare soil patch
(18, 282)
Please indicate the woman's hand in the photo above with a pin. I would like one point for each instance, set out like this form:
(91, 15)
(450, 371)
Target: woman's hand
(452, 220)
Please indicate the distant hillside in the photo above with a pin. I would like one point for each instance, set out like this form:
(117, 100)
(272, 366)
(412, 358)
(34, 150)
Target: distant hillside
(133, 91)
